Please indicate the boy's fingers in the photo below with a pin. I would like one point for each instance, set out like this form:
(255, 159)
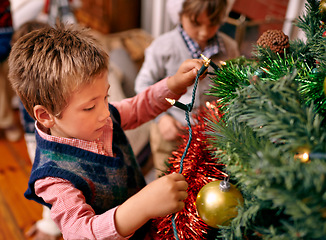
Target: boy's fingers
(203, 75)
(193, 64)
(191, 74)
(183, 196)
(180, 206)
(177, 176)
(182, 185)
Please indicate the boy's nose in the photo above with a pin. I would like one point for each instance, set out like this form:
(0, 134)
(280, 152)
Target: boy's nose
(105, 113)
(203, 33)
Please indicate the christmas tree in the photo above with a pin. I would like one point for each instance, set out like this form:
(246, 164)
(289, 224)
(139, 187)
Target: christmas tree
(270, 140)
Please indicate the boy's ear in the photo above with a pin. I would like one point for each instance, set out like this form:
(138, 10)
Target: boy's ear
(43, 116)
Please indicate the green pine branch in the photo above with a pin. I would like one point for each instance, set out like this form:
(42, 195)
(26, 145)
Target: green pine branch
(275, 109)
(229, 78)
(265, 126)
(309, 23)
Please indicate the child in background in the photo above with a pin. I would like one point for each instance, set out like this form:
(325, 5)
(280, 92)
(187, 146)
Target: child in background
(84, 168)
(196, 34)
(44, 228)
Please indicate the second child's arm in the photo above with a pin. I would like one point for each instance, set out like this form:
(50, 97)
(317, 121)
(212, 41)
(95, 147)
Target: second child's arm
(169, 127)
(158, 199)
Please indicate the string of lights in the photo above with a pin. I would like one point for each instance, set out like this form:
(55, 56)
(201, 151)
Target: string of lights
(188, 108)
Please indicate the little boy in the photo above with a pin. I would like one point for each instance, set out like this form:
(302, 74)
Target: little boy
(84, 168)
(197, 33)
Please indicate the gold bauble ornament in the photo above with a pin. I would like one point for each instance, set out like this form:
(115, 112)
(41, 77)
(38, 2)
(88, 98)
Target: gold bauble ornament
(217, 203)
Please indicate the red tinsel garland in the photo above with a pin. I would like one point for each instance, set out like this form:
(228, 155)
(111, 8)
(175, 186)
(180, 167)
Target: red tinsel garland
(199, 168)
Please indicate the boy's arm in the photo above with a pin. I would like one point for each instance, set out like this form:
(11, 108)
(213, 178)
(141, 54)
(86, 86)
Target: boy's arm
(75, 218)
(152, 69)
(145, 106)
(151, 102)
(158, 199)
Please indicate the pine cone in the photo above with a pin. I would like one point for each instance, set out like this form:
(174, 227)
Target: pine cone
(276, 40)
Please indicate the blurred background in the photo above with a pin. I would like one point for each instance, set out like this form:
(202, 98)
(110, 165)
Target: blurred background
(112, 16)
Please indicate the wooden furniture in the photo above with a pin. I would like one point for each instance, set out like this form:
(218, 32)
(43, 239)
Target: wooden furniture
(267, 14)
(251, 18)
(109, 16)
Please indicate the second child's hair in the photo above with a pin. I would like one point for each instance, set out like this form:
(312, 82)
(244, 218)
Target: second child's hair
(215, 9)
(46, 66)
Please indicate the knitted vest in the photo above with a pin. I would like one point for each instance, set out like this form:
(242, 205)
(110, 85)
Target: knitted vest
(105, 181)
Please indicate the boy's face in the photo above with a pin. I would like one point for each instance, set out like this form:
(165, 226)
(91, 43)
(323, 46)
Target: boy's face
(87, 112)
(200, 31)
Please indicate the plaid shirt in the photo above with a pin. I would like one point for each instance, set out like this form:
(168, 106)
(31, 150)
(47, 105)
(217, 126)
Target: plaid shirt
(214, 45)
(102, 146)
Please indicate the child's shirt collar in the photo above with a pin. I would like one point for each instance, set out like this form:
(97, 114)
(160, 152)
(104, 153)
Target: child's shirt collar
(102, 146)
(214, 45)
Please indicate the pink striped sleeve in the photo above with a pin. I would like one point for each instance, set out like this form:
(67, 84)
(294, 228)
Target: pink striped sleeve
(145, 106)
(75, 218)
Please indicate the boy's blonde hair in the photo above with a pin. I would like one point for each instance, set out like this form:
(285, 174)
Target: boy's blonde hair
(215, 9)
(47, 65)
(27, 27)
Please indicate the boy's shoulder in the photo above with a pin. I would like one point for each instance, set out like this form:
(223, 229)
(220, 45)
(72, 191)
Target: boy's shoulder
(168, 38)
(167, 44)
(226, 38)
(231, 45)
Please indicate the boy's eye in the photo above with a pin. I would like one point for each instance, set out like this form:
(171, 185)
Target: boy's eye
(106, 99)
(89, 109)
(195, 23)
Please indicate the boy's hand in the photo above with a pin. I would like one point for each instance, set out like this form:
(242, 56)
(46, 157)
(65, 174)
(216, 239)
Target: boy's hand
(169, 127)
(185, 76)
(158, 199)
(164, 195)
